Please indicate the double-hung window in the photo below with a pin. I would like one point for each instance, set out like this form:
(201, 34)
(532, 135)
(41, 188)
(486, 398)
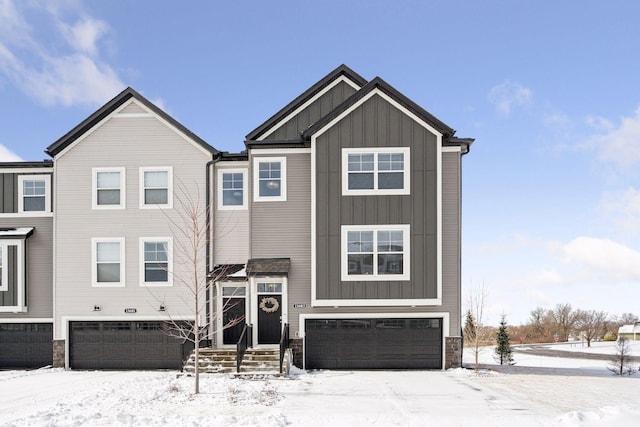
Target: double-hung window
(34, 193)
(4, 276)
(269, 179)
(108, 261)
(232, 191)
(156, 187)
(156, 261)
(108, 188)
(375, 252)
(369, 171)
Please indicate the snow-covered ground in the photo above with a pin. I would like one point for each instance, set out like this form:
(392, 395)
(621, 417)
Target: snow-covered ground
(546, 391)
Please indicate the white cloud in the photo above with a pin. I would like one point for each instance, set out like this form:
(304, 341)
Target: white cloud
(85, 34)
(622, 208)
(7, 155)
(508, 95)
(610, 260)
(74, 75)
(618, 145)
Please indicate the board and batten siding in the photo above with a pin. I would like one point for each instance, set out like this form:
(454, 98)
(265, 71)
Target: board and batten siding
(312, 113)
(283, 230)
(39, 267)
(9, 187)
(376, 123)
(130, 142)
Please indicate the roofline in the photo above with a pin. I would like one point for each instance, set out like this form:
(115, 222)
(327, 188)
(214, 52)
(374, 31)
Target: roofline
(42, 164)
(278, 143)
(464, 143)
(309, 93)
(95, 118)
(378, 83)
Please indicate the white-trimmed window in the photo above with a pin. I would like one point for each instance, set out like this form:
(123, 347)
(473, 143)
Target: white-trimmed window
(107, 261)
(4, 271)
(380, 171)
(232, 189)
(156, 266)
(108, 188)
(375, 252)
(156, 187)
(269, 179)
(34, 193)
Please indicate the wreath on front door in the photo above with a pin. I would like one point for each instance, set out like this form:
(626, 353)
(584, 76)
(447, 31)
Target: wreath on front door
(269, 305)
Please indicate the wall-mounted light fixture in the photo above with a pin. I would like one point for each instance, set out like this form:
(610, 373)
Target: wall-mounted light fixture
(162, 307)
(97, 308)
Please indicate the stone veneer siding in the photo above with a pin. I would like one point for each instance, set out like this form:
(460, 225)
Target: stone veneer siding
(296, 348)
(58, 353)
(453, 352)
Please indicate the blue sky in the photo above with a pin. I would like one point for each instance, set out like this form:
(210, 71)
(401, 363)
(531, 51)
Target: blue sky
(550, 90)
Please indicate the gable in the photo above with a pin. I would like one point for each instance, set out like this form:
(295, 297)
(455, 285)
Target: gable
(341, 74)
(134, 104)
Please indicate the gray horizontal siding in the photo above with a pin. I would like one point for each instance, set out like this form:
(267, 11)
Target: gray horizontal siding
(451, 185)
(314, 112)
(283, 229)
(39, 267)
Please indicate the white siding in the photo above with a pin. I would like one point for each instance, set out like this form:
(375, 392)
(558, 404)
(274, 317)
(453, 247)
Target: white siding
(129, 142)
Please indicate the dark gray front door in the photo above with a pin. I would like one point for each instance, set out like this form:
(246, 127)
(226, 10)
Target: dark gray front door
(233, 319)
(269, 318)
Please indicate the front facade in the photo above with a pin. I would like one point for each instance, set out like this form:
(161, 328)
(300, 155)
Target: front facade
(341, 220)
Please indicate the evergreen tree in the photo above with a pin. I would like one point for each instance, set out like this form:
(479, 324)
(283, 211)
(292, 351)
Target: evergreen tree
(470, 326)
(503, 349)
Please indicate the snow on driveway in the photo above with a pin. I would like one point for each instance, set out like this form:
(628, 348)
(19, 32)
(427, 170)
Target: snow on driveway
(538, 391)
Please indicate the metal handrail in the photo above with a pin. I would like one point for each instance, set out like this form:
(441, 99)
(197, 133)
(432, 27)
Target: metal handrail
(284, 343)
(245, 341)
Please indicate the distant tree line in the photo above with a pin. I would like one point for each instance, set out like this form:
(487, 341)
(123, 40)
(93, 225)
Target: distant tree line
(562, 322)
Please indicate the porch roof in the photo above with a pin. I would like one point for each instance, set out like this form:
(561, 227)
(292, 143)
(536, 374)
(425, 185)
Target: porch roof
(268, 266)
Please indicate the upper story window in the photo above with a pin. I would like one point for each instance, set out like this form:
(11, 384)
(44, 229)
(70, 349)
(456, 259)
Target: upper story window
(108, 261)
(379, 171)
(4, 276)
(156, 265)
(232, 189)
(34, 193)
(108, 188)
(156, 187)
(269, 179)
(375, 252)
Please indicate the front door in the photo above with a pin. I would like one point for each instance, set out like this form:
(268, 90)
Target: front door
(269, 318)
(233, 320)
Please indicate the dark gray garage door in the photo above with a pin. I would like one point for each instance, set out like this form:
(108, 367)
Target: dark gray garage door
(26, 345)
(373, 344)
(125, 345)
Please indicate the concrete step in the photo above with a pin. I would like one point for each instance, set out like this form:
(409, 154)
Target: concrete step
(255, 361)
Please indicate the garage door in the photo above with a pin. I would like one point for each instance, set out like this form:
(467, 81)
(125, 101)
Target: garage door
(373, 344)
(26, 345)
(125, 345)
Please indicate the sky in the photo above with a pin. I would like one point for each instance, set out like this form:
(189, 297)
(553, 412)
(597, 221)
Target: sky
(549, 90)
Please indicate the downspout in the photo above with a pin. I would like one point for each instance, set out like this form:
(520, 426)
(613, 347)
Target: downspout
(214, 159)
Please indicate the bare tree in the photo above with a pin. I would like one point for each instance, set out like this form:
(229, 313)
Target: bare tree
(189, 252)
(564, 318)
(590, 323)
(620, 362)
(476, 334)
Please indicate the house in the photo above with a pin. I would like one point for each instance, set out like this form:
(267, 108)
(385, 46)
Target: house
(26, 264)
(340, 221)
(630, 332)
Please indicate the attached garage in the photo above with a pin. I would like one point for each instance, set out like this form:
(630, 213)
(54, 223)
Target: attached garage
(26, 345)
(373, 343)
(125, 345)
